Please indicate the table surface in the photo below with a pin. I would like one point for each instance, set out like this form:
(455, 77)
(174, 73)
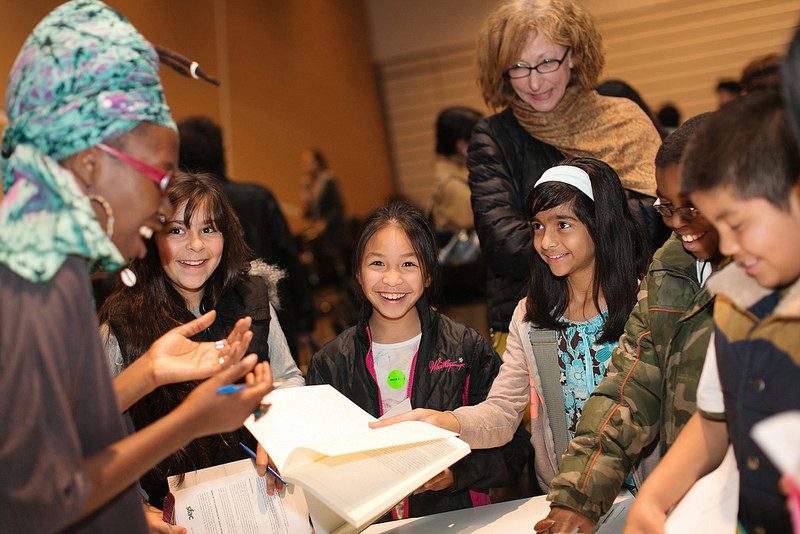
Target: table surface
(511, 516)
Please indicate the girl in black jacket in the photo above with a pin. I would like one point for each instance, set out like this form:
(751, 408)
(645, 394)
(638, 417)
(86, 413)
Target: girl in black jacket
(403, 349)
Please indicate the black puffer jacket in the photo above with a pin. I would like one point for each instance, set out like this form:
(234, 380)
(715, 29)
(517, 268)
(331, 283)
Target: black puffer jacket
(342, 364)
(504, 162)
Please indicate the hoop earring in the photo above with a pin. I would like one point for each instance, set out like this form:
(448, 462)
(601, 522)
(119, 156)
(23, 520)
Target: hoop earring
(109, 213)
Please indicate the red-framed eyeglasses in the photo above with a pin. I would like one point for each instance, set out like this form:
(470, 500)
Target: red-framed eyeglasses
(161, 177)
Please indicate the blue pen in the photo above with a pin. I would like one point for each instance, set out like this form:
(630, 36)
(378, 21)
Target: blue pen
(252, 455)
(230, 388)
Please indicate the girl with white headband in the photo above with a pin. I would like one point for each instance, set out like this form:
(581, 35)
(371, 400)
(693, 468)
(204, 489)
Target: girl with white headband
(588, 253)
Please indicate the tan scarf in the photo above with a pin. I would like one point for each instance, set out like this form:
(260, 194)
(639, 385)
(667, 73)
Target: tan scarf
(614, 130)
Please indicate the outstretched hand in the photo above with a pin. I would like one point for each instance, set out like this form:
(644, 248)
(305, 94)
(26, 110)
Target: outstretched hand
(444, 420)
(174, 357)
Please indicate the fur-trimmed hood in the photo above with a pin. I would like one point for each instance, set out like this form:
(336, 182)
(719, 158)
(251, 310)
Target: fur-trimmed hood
(272, 275)
(744, 291)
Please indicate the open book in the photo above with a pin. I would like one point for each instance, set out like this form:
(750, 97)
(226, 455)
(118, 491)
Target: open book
(351, 475)
(232, 499)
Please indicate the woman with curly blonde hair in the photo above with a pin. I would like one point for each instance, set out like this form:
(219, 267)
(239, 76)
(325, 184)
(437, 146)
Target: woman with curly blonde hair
(540, 60)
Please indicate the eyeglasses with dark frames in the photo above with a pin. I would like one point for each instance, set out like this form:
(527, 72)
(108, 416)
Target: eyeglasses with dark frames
(161, 177)
(687, 213)
(520, 70)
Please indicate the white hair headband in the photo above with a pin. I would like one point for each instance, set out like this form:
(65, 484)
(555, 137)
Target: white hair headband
(568, 174)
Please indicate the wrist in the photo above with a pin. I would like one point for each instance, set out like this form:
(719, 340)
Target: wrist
(181, 422)
(449, 421)
(143, 377)
(654, 499)
(149, 381)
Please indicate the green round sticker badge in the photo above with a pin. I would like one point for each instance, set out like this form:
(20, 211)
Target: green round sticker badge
(396, 379)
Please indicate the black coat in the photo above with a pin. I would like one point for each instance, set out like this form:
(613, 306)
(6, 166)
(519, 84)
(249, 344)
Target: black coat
(504, 163)
(342, 364)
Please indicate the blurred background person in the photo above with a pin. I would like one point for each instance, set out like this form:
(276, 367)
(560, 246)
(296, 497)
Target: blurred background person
(322, 205)
(669, 117)
(761, 73)
(727, 91)
(463, 267)
(265, 229)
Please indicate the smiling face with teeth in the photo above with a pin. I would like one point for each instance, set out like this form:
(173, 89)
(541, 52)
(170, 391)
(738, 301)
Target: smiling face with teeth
(392, 279)
(190, 253)
(699, 237)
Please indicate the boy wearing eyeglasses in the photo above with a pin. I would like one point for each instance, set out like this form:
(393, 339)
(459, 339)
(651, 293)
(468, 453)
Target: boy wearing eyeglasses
(648, 394)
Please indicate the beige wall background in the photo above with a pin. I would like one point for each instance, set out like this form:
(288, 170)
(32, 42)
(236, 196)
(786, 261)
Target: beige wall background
(295, 73)
(669, 50)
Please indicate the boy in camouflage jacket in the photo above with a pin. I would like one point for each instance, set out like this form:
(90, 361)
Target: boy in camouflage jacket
(649, 390)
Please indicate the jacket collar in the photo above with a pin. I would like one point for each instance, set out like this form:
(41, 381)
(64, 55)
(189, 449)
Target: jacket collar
(673, 257)
(744, 292)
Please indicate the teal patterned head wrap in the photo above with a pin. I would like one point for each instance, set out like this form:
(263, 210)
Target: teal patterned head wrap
(83, 75)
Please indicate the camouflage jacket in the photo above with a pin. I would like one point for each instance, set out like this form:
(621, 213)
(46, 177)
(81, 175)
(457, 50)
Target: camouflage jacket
(649, 390)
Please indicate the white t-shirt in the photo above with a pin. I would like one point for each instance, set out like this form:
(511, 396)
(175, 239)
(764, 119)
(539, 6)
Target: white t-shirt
(703, 271)
(709, 389)
(393, 369)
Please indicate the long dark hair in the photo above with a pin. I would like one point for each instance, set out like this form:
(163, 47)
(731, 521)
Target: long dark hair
(139, 315)
(620, 249)
(415, 225)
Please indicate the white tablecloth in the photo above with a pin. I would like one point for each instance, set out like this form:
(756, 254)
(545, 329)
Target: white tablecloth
(502, 518)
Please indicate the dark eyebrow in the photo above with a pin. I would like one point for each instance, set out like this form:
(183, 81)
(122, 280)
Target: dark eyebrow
(558, 218)
(566, 218)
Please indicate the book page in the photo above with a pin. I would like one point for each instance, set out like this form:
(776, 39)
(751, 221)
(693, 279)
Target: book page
(397, 409)
(213, 502)
(779, 438)
(302, 416)
(404, 433)
(362, 486)
(322, 419)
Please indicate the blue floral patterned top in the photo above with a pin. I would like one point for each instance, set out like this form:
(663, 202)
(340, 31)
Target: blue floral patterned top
(583, 363)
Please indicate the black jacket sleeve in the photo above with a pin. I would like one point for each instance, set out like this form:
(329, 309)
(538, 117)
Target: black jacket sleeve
(499, 214)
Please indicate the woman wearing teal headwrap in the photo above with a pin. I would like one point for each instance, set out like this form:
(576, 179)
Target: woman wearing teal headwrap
(87, 152)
